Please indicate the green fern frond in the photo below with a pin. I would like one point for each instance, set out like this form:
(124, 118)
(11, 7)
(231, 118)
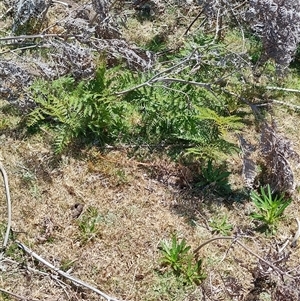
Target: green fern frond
(224, 123)
(35, 117)
(64, 135)
(220, 149)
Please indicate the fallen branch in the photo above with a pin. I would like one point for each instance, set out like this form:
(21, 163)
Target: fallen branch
(18, 297)
(297, 234)
(284, 103)
(282, 89)
(157, 77)
(42, 36)
(192, 23)
(154, 80)
(19, 49)
(211, 240)
(263, 260)
(245, 248)
(63, 274)
(8, 202)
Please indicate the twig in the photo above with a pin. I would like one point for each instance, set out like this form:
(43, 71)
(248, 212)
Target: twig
(5, 13)
(237, 20)
(8, 202)
(247, 249)
(17, 296)
(195, 19)
(157, 76)
(183, 81)
(155, 79)
(252, 106)
(283, 89)
(284, 103)
(44, 13)
(280, 250)
(19, 49)
(240, 5)
(62, 3)
(42, 36)
(63, 274)
(211, 240)
(218, 26)
(297, 235)
(263, 260)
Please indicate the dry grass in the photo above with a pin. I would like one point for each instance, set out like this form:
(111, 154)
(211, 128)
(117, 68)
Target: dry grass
(135, 205)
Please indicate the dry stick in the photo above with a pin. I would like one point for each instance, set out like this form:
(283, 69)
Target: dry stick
(178, 80)
(156, 77)
(247, 249)
(8, 202)
(190, 26)
(66, 15)
(6, 13)
(263, 260)
(217, 29)
(17, 296)
(19, 49)
(297, 234)
(280, 250)
(225, 286)
(44, 13)
(42, 36)
(236, 19)
(62, 273)
(60, 2)
(165, 79)
(283, 89)
(211, 240)
(284, 103)
(241, 5)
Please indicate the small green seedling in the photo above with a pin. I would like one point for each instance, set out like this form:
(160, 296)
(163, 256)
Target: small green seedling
(221, 225)
(177, 256)
(193, 272)
(174, 253)
(270, 207)
(88, 225)
(214, 176)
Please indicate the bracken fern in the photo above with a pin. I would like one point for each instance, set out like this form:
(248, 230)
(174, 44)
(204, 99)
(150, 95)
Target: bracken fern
(85, 109)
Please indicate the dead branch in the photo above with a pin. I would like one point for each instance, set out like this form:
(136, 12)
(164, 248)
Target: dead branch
(117, 49)
(275, 268)
(283, 89)
(62, 273)
(297, 234)
(282, 103)
(196, 251)
(8, 202)
(234, 239)
(40, 36)
(193, 22)
(15, 296)
(249, 167)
